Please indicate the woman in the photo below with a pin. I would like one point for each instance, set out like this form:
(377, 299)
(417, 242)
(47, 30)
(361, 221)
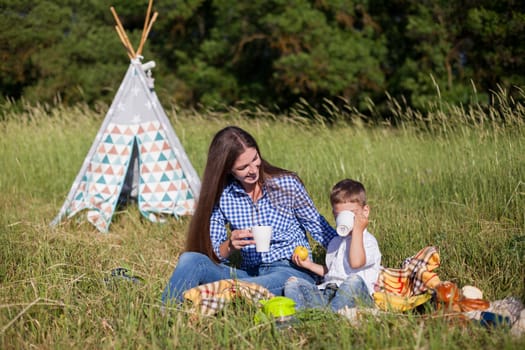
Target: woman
(239, 190)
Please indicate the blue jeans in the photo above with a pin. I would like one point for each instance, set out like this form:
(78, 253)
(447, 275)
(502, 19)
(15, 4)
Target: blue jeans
(194, 269)
(351, 293)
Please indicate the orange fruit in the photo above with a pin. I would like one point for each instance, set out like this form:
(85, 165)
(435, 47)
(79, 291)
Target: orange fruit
(302, 252)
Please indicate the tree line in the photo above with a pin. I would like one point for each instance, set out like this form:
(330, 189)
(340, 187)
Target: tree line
(273, 53)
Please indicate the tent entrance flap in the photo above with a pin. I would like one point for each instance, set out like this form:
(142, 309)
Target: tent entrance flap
(130, 188)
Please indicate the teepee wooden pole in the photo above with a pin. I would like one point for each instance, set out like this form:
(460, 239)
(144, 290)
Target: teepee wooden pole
(128, 51)
(146, 24)
(150, 24)
(122, 33)
(130, 47)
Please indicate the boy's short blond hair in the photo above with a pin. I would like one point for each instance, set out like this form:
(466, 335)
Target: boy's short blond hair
(348, 191)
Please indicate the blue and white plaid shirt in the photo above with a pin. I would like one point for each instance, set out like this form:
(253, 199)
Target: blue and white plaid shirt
(285, 205)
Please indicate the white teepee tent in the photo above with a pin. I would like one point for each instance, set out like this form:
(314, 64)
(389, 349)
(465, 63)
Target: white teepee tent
(136, 154)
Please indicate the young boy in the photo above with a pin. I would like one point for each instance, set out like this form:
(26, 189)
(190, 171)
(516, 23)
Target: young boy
(352, 262)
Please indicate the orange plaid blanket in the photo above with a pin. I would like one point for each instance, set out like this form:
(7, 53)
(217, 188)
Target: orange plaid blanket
(210, 298)
(414, 277)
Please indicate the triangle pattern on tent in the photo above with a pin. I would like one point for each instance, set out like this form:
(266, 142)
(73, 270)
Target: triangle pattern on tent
(103, 180)
(159, 182)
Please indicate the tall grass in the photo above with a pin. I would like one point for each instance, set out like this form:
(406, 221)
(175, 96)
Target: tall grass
(453, 178)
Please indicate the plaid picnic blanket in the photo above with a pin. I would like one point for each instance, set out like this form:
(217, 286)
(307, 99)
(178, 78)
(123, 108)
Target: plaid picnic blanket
(210, 298)
(414, 277)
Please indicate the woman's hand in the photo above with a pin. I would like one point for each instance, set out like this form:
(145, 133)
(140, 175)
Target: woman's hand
(241, 238)
(237, 240)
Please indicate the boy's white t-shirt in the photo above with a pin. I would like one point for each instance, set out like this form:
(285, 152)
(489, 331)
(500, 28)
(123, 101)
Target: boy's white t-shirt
(339, 267)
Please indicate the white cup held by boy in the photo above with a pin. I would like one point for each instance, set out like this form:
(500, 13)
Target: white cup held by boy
(262, 236)
(344, 223)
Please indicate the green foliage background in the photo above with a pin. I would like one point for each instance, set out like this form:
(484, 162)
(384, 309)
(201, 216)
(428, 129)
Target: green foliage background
(273, 53)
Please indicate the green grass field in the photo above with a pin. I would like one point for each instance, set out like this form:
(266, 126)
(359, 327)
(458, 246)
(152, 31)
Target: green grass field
(457, 183)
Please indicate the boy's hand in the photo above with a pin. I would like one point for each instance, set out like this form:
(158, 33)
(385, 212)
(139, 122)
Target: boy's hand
(360, 221)
(309, 265)
(301, 263)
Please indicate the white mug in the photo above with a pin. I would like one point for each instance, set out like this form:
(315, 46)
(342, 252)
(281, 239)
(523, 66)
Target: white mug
(344, 223)
(262, 236)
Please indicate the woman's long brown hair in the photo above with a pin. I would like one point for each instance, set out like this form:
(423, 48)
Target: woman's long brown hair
(226, 146)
